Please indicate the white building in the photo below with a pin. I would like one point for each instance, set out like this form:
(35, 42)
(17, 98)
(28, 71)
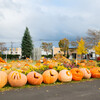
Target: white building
(14, 51)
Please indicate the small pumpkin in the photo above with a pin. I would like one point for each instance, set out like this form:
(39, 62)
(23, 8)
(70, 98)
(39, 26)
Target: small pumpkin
(77, 74)
(95, 72)
(17, 79)
(50, 76)
(86, 73)
(34, 78)
(3, 79)
(65, 76)
(51, 66)
(82, 64)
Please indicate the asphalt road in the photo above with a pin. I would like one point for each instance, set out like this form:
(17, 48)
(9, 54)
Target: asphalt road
(72, 91)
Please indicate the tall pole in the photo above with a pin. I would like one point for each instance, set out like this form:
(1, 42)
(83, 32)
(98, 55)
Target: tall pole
(11, 47)
(6, 55)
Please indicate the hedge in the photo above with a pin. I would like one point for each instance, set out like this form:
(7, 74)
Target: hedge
(47, 56)
(10, 56)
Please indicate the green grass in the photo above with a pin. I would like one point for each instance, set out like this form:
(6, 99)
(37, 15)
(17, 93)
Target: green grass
(8, 87)
(9, 60)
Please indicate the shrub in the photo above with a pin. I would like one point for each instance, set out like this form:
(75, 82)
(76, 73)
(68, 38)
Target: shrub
(10, 56)
(98, 59)
(47, 56)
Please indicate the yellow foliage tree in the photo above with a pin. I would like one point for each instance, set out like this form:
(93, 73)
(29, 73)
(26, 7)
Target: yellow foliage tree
(97, 48)
(81, 47)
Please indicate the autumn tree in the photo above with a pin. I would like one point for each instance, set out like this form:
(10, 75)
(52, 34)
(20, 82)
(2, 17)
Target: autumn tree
(27, 45)
(97, 48)
(92, 38)
(81, 47)
(74, 44)
(64, 45)
(47, 47)
(2, 47)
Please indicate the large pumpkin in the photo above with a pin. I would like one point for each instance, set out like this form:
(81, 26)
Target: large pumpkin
(50, 76)
(3, 79)
(34, 78)
(86, 73)
(77, 74)
(17, 79)
(65, 76)
(95, 72)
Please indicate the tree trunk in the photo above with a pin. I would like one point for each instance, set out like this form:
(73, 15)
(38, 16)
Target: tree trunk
(67, 54)
(81, 56)
(64, 53)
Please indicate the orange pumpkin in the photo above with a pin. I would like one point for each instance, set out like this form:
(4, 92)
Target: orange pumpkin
(86, 73)
(65, 76)
(95, 72)
(51, 66)
(17, 79)
(77, 74)
(50, 76)
(82, 64)
(3, 79)
(34, 78)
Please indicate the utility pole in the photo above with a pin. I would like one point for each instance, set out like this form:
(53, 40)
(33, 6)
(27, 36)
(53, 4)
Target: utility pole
(11, 47)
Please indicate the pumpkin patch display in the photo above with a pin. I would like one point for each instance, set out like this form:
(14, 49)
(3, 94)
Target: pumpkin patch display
(17, 79)
(34, 78)
(86, 73)
(95, 72)
(65, 76)
(77, 74)
(3, 79)
(50, 76)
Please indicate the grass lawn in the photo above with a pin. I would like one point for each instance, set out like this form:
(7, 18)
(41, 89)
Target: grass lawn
(9, 60)
(8, 87)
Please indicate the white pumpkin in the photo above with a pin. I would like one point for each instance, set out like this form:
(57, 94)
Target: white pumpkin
(86, 73)
(65, 76)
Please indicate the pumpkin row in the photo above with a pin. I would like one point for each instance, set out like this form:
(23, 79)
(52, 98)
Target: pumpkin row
(17, 79)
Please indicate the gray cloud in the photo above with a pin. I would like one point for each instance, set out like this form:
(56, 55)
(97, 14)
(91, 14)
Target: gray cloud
(47, 19)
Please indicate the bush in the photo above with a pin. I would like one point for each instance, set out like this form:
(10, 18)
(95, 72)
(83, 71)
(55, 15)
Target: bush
(10, 56)
(47, 56)
(98, 64)
(98, 59)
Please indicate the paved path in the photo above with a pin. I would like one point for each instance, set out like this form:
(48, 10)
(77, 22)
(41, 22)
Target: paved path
(72, 91)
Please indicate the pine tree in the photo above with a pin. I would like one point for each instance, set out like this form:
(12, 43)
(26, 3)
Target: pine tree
(27, 45)
(97, 48)
(81, 47)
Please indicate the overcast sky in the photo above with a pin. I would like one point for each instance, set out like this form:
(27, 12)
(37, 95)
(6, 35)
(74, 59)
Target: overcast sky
(48, 19)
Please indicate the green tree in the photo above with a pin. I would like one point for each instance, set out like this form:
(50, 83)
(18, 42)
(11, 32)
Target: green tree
(64, 45)
(27, 45)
